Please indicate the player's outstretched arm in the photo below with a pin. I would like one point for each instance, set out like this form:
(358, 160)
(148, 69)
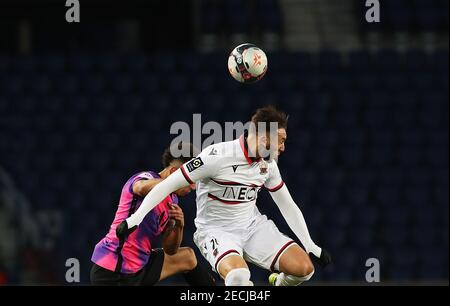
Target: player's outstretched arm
(196, 169)
(294, 218)
(143, 187)
(175, 181)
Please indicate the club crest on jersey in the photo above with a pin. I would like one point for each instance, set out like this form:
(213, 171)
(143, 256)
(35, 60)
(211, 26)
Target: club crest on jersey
(194, 164)
(262, 167)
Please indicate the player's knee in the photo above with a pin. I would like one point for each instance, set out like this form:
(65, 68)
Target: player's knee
(308, 269)
(238, 277)
(303, 269)
(190, 259)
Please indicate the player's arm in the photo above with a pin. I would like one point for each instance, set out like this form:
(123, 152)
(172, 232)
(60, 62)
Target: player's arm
(142, 187)
(294, 218)
(173, 233)
(196, 169)
(158, 193)
(293, 215)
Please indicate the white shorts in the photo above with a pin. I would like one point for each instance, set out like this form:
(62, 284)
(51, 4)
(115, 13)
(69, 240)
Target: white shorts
(261, 245)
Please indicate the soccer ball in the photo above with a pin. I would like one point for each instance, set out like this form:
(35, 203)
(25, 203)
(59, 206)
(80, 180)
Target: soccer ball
(247, 63)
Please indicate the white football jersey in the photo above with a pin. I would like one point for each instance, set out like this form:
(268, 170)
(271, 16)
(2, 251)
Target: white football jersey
(228, 182)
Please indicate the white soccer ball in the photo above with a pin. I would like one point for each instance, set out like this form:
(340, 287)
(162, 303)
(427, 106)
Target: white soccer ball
(247, 63)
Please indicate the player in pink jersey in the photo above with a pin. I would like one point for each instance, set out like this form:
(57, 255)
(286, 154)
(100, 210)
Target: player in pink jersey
(132, 261)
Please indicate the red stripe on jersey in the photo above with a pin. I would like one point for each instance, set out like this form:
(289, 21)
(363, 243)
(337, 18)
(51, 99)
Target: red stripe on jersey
(241, 141)
(186, 176)
(222, 256)
(279, 253)
(225, 201)
(276, 188)
(234, 183)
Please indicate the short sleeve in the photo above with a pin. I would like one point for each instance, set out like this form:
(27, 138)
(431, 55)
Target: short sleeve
(274, 182)
(138, 177)
(205, 165)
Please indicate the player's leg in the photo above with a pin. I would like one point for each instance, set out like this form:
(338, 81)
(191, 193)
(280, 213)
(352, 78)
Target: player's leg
(234, 270)
(102, 277)
(281, 254)
(295, 266)
(185, 261)
(161, 265)
(224, 253)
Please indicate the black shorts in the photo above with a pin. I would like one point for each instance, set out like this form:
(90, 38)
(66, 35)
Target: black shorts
(147, 276)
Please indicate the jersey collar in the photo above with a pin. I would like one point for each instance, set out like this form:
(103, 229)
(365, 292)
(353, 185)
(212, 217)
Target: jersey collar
(244, 147)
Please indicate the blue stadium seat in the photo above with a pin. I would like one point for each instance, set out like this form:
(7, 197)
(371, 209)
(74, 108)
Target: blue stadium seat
(108, 63)
(149, 84)
(122, 84)
(268, 15)
(82, 65)
(137, 64)
(237, 16)
(164, 63)
(211, 18)
(350, 156)
(330, 61)
(436, 156)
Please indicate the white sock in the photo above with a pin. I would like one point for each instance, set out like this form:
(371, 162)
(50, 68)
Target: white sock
(238, 277)
(290, 280)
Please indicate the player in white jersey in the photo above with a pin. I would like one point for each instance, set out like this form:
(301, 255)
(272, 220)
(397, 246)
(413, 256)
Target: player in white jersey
(230, 228)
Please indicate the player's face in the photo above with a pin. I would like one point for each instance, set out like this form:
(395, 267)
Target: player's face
(279, 146)
(282, 136)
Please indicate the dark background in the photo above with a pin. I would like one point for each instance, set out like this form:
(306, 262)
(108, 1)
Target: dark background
(84, 106)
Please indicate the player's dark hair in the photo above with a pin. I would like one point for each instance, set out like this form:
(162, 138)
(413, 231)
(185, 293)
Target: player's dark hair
(270, 114)
(168, 156)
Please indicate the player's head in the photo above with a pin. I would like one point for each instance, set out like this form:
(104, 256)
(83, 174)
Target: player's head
(174, 157)
(269, 128)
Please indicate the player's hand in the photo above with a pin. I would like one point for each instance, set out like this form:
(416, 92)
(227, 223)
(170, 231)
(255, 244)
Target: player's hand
(176, 214)
(324, 259)
(122, 230)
